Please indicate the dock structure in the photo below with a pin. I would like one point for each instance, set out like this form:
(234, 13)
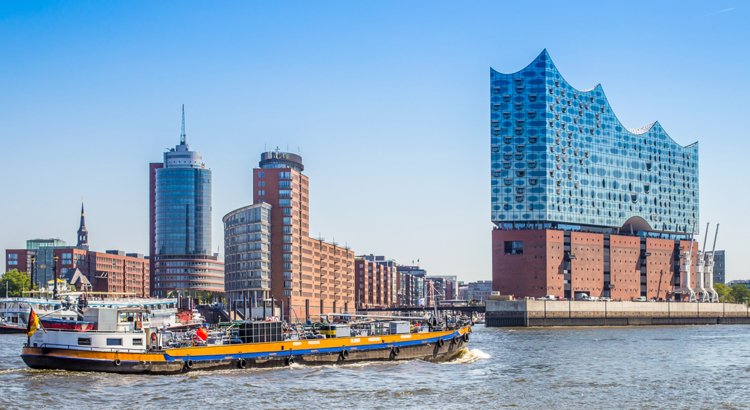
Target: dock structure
(540, 313)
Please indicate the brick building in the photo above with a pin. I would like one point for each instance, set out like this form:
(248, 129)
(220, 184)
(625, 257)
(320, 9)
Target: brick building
(111, 271)
(377, 284)
(310, 276)
(562, 263)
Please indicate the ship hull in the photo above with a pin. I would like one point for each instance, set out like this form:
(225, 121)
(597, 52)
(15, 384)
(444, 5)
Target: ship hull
(12, 329)
(216, 358)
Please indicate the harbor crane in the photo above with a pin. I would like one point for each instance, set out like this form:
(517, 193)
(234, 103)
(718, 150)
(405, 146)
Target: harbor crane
(709, 280)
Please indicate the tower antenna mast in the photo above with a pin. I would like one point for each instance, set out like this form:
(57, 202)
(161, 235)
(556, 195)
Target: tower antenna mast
(182, 134)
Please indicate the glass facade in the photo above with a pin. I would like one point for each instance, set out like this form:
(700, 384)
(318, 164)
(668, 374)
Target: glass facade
(181, 215)
(720, 267)
(561, 156)
(183, 211)
(247, 246)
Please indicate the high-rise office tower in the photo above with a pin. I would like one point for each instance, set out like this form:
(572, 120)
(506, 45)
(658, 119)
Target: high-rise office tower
(310, 276)
(247, 256)
(582, 204)
(180, 213)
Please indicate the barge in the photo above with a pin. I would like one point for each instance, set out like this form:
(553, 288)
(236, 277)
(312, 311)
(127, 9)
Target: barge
(125, 341)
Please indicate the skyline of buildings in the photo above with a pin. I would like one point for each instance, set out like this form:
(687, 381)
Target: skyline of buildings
(561, 161)
(110, 271)
(179, 240)
(581, 204)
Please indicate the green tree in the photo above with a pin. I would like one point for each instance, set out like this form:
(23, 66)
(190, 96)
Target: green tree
(723, 291)
(740, 294)
(16, 281)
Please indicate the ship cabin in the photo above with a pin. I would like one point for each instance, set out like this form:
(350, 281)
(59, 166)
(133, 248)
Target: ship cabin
(124, 328)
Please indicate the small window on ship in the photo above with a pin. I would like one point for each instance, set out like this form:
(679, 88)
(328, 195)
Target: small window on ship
(84, 341)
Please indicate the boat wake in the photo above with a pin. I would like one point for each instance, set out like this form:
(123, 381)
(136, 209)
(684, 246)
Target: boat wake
(469, 356)
(19, 370)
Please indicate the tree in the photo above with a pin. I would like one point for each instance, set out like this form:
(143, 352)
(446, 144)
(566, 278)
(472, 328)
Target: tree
(17, 283)
(723, 291)
(740, 294)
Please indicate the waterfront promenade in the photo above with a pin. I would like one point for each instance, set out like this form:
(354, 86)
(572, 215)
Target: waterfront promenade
(532, 313)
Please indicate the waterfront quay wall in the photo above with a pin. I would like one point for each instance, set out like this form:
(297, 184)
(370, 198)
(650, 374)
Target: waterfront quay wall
(542, 313)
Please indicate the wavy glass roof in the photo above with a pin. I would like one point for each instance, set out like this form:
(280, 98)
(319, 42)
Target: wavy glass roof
(560, 155)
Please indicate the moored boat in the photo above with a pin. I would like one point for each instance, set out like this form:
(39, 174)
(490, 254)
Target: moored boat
(6, 328)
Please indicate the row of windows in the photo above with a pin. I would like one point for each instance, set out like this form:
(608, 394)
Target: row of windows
(611, 151)
(189, 285)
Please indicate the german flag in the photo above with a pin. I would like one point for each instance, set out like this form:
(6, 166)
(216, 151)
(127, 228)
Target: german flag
(33, 323)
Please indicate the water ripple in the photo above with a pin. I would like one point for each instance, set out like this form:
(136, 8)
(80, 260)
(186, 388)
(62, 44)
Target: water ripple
(650, 368)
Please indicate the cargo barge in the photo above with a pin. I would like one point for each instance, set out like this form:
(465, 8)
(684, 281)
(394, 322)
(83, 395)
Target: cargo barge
(125, 342)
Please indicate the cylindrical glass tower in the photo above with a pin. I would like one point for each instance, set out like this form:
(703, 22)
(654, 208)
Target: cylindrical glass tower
(183, 211)
(182, 227)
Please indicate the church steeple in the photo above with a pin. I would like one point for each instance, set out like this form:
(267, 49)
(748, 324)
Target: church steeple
(83, 233)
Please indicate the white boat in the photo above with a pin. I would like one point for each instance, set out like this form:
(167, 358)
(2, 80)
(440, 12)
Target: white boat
(14, 311)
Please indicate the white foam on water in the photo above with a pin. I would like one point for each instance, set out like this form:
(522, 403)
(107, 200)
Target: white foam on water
(469, 356)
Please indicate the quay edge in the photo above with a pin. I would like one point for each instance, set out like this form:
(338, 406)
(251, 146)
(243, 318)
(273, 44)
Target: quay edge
(539, 313)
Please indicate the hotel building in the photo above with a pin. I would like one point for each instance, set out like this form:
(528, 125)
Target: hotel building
(581, 204)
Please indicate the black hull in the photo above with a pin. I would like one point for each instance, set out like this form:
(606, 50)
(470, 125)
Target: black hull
(429, 352)
(11, 329)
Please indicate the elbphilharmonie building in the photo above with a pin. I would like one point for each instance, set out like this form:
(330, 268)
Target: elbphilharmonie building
(581, 203)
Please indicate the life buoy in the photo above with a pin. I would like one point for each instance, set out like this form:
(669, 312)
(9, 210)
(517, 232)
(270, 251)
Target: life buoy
(117, 362)
(396, 351)
(466, 337)
(440, 342)
(189, 363)
(344, 354)
(241, 363)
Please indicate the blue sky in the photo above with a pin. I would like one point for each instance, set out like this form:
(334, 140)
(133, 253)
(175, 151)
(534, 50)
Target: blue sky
(387, 102)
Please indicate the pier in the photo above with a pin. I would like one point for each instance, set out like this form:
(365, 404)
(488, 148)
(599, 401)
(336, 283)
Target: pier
(541, 313)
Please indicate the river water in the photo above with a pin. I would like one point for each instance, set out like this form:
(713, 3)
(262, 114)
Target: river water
(697, 367)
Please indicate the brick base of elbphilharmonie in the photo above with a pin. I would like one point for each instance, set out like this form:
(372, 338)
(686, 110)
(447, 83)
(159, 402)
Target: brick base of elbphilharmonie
(540, 262)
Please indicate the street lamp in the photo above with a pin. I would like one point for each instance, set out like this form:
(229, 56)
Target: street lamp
(54, 271)
(33, 267)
